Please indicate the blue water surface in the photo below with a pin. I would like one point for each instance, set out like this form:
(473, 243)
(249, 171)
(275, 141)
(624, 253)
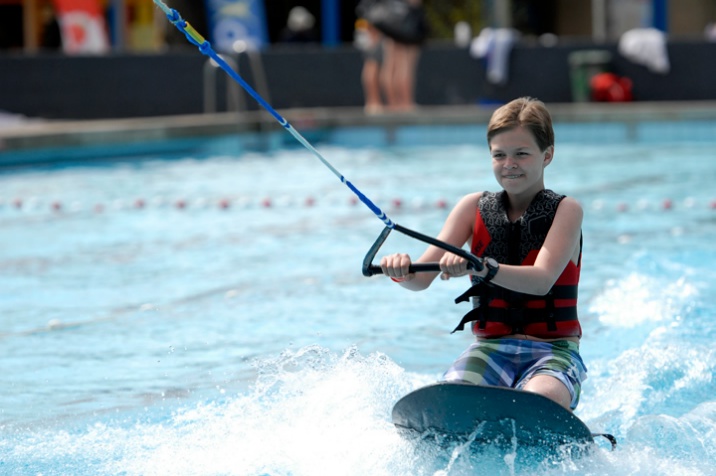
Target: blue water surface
(207, 314)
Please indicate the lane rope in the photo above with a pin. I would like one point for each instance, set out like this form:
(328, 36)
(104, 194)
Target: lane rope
(225, 202)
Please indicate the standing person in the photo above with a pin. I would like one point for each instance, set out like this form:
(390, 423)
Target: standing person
(51, 36)
(400, 63)
(371, 46)
(403, 25)
(524, 312)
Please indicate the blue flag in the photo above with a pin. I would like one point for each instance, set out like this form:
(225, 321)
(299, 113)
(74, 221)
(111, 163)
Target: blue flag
(234, 21)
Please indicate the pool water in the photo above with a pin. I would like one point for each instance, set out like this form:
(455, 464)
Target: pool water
(207, 314)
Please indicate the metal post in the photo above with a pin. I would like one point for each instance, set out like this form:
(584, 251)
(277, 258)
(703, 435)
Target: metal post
(210, 86)
(29, 25)
(599, 21)
(660, 15)
(331, 22)
(233, 98)
(119, 21)
(256, 65)
(503, 13)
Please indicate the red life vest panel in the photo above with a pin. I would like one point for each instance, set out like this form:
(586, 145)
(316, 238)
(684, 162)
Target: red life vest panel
(499, 311)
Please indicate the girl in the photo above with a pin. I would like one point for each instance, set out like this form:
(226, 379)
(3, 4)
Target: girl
(524, 312)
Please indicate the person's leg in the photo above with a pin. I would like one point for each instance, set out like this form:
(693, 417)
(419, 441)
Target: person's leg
(555, 370)
(483, 363)
(406, 62)
(371, 86)
(551, 388)
(387, 71)
(413, 57)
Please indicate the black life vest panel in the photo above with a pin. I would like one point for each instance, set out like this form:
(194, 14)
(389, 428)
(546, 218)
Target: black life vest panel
(500, 311)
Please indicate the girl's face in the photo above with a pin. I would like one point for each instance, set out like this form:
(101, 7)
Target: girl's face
(517, 162)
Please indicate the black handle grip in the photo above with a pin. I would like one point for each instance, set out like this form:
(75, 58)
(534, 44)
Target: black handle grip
(414, 268)
(369, 269)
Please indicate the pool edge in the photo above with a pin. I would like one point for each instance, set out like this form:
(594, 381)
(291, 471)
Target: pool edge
(36, 134)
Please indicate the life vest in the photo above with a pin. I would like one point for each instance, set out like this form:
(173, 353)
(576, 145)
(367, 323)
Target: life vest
(500, 311)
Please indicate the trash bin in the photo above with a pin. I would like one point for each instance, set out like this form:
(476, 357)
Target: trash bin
(584, 64)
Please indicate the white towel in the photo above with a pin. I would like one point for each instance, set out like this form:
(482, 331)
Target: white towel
(710, 32)
(646, 46)
(495, 45)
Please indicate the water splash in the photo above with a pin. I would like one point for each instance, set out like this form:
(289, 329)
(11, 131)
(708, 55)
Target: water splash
(311, 411)
(639, 299)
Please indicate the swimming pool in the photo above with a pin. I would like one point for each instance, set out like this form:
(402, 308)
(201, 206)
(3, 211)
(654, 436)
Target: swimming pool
(207, 314)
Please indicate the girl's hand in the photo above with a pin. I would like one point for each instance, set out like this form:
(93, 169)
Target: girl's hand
(453, 266)
(396, 266)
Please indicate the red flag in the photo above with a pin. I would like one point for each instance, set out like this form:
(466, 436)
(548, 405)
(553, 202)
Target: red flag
(82, 26)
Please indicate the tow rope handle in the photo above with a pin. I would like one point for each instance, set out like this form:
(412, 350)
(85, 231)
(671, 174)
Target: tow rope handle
(370, 269)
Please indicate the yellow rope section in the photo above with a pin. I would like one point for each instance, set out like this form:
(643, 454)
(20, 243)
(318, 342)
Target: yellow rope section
(180, 23)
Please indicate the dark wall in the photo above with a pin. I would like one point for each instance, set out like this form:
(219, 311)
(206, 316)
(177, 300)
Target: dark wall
(56, 86)
(11, 26)
(91, 87)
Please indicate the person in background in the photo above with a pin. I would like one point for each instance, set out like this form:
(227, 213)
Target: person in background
(51, 38)
(400, 60)
(300, 27)
(403, 27)
(529, 238)
(370, 42)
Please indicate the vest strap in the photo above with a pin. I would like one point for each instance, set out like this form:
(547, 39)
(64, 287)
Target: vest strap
(517, 315)
(518, 318)
(558, 291)
(476, 290)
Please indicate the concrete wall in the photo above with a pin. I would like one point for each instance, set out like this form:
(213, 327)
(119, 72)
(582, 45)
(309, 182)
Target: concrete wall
(116, 86)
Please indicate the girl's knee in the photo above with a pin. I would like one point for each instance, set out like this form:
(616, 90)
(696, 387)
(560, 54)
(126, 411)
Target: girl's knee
(551, 388)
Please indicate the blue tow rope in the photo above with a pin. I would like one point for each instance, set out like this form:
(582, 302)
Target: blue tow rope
(205, 48)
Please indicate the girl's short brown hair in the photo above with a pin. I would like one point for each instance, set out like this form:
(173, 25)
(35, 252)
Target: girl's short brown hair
(527, 112)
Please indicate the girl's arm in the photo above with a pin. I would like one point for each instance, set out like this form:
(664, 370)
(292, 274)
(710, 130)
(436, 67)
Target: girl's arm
(561, 245)
(456, 231)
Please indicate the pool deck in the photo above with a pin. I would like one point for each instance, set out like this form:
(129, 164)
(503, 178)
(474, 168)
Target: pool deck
(23, 134)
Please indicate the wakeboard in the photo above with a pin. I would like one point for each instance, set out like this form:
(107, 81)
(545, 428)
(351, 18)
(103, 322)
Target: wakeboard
(493, 415)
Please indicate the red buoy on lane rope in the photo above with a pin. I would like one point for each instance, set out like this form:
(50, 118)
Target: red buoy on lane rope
(397, 203)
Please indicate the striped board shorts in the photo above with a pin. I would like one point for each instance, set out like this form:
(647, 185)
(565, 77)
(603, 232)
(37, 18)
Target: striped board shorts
(512, 362)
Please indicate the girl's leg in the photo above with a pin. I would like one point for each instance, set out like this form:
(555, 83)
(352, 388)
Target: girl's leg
(551, 388)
